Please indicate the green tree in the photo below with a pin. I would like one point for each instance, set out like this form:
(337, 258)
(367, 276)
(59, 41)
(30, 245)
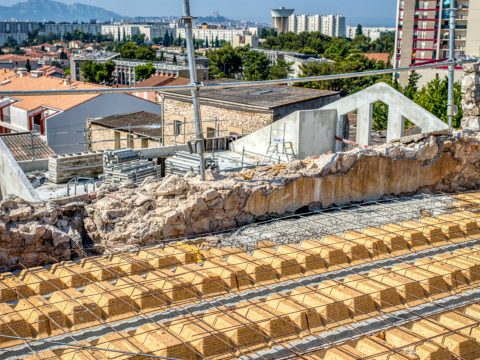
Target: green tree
(434, 96)
(28, 66)
(411, 88)
(99, 73)
(207, 45)
(138, 39)
(224, 62)
(174, 60)
(359, 30)
(256, 66)
(63, 55)
(217, 42)
(280, 70)
(143, 72)
(384, 44)
(266, 32)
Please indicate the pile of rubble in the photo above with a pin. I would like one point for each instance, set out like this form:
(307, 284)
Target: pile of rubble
(135, 216)
(179, 207)
(37, 234)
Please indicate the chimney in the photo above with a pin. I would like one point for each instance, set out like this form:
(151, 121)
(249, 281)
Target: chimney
(67, 81)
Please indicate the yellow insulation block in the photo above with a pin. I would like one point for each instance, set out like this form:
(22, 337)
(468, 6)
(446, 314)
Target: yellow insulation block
(161, 342)
(45, 318)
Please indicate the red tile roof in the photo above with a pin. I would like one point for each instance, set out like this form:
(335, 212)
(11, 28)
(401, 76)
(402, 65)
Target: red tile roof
(385, 57)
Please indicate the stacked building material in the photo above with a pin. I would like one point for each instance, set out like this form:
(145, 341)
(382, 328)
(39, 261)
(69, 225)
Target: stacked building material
(63, 168)
(183, 162)
(127, 166)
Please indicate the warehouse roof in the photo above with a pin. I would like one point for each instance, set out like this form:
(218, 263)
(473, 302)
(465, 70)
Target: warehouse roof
(266, 97)
(140, 123)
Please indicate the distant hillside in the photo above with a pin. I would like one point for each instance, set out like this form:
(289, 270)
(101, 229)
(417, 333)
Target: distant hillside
(50, 10)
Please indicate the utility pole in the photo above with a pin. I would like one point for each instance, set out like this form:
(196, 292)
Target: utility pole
(187, 21)
(451, 68)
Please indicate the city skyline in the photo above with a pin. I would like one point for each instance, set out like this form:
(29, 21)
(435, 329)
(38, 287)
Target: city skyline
(369, 12)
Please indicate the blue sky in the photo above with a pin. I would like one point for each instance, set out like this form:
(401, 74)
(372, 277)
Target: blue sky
(370, 12)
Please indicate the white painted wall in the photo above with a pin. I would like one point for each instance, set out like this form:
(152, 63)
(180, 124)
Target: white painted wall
(65, 130)
(311, 132)
(19, 117)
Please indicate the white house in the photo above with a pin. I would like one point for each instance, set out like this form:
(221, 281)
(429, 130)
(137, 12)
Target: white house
(61, 119)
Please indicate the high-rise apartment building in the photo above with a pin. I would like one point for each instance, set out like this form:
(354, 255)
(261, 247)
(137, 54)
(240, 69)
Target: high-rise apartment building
(16, 30)
(284, 20)
(423, 31)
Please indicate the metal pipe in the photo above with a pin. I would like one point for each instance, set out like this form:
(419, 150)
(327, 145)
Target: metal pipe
(187, 20)
(225, 85)
(451, 68)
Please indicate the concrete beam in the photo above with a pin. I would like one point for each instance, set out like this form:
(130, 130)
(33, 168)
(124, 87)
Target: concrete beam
(396, 123)
(160, 152)
(364, 124)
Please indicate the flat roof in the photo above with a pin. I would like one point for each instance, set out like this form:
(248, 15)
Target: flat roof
(266, 97)
(139, 123)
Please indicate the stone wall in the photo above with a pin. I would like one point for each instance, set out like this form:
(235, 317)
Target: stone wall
(225, 120)
(178, 207)
(131, 217)
(34, 234)
(471, 97)
(101, 138)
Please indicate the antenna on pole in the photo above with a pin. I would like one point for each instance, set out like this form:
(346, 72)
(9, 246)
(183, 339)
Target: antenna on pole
(451, 68)
(187, 21)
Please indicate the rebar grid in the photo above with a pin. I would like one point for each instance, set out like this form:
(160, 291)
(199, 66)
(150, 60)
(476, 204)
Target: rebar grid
(130, 259)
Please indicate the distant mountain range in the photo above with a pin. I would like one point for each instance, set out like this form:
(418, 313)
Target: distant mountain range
(50, 10)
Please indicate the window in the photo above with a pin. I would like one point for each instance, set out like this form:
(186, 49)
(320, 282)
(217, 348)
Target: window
(144, 143)
(117, 140)
(177, 127)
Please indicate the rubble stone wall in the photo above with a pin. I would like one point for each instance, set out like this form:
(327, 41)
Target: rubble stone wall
(471, 96)
(34, 234)
(131, 217)
(179, 207)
